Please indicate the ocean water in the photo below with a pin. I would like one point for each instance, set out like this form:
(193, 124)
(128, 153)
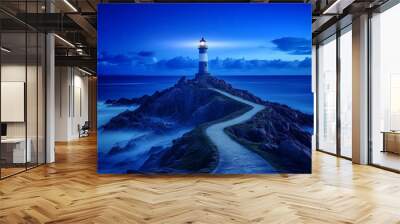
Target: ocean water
(107, 112)
(294, 91)
(134, 156)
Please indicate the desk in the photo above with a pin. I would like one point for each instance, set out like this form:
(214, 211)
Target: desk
(391, 141)
(19, 155)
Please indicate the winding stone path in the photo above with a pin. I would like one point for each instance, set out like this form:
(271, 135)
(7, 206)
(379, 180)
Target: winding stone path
(233, 157)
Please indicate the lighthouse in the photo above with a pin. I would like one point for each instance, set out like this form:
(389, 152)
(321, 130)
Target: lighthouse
(203, 59)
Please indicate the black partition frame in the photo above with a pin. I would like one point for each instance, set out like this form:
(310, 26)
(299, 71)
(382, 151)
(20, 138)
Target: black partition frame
(339, 31)
(39, 54)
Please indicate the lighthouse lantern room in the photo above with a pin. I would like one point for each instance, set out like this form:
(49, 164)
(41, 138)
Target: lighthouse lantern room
(203, 59)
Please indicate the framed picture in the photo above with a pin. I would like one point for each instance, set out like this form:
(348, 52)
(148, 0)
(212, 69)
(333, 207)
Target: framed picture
(204, 88)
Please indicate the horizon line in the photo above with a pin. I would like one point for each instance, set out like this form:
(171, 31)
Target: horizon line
(114, 74)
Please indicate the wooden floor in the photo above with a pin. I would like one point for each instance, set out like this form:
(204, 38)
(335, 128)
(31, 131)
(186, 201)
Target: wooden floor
(387, 159)
(70, 191)
(5, 172)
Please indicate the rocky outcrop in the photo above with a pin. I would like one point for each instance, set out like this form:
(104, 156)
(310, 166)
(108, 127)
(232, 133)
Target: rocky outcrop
(185, 104)
(134, 120)
(127, 102)
(277, 134)
(192, 153)
(213, 82)
(118, 149)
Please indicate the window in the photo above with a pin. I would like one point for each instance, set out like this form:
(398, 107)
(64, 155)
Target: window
(22, 92)
(327, 95)
(385, 89)
(346, 92)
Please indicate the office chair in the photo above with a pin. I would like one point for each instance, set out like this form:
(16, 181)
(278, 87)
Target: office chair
(84, 130)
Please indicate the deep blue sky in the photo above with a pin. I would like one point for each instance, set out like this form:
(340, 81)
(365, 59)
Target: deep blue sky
(161, 39)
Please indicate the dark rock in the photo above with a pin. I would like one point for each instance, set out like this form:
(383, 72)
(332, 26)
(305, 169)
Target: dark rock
(152, 164)
(269, 147)
(133, 120)
(278, 133)
(123, 163)
(117, 149)
(186, 104)
(211, 81)
(256, 135)
(181, 81)
(192, 153)
(127, 102)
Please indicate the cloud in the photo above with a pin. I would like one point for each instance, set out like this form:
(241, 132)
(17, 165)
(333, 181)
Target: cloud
(114, 59)
(142, 57)
(214, 44)
(178, 63)
(293, 45)
(243, 64)
(306, 63)
(146, 53)
(145, 63)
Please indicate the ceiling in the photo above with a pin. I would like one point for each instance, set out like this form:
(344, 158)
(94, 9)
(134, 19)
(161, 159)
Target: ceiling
(75, 22)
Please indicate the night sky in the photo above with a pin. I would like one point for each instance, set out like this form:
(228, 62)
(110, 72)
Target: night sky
(243, 39)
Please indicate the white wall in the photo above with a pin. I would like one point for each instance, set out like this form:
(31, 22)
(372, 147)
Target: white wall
(17, 73)
(13, 72)
(62, 82)
(71, 102)
(33, 126)
(81, 89)
(9, 73)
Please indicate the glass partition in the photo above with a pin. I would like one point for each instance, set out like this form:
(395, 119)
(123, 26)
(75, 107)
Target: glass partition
(327, 95)
(14, 155)
(22, 88)
(385, 89)
(32, 97)
(346, 92)
(32, 85)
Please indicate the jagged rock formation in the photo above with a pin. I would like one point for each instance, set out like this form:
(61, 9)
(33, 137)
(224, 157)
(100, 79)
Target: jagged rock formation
(192, 153)
(127, 102)
(277, 133)
(185, 104)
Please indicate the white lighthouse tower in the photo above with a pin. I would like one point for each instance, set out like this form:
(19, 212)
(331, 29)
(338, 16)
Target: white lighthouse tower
(203, 59)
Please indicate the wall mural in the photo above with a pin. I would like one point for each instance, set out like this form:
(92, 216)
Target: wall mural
(204, 88)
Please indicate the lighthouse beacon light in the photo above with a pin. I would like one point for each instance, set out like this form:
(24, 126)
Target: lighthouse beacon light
(203, 59)
(202, 42)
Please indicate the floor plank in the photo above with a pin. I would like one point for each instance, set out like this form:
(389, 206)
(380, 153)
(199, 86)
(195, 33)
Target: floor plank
(70, 191)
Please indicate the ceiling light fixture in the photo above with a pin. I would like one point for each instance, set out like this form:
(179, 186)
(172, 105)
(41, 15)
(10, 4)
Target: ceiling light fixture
(84, 71)
(64, 40)
(79, 51)
(5, 50)
(333, 6)
(337, 7)
(70, 5)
